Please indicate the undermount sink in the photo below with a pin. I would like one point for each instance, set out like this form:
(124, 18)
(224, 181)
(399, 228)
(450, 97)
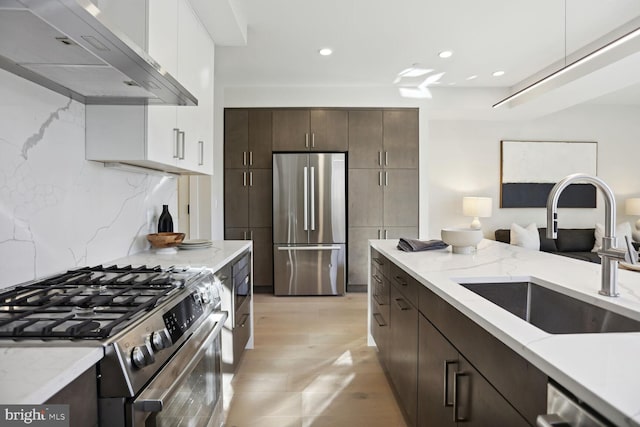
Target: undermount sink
(551, 311)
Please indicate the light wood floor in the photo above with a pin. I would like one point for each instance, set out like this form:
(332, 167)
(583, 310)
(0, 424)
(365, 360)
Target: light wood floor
(311, 367)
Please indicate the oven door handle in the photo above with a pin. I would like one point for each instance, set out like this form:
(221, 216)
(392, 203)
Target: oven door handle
(162, 388)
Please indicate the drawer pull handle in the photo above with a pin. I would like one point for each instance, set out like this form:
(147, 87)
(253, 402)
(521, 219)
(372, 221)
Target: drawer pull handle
(377, 317)
(401, 281)
(245, 317)
(402, 305)
(377, 279)
(376, 298)
(378, 261)
(445, 399)
(456, 410)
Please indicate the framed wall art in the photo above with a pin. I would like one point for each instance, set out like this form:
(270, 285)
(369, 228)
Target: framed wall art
(529, 169)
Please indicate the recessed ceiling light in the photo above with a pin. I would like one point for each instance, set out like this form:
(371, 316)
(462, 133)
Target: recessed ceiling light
(472, 77)
(325, 51)
(498, 73)
(445, 54)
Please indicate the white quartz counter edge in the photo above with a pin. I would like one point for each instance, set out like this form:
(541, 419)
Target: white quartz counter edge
(601, 369)
(26, 377)
(212, 258)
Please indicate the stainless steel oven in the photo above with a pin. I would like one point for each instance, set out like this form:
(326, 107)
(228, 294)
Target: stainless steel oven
(160, 330)
(188, 389)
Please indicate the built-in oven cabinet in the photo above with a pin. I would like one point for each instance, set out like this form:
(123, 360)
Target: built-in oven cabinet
(174, 139)
(236, 279)
(81, 395)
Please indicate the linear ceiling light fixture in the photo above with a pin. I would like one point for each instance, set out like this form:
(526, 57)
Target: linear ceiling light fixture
(607, 47)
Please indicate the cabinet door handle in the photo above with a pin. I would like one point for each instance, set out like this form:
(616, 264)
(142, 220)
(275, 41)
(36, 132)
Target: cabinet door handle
(402, 305)
(244, 158)
(379, 158)
(377, 317)
(201, 154)
(313, 140)
(386, 179)
(385, 234)
(244, 235)
(445, 394)
(306, 140)
(386, 158)
(250, 234)
(244, 179)
(176, 133)
(456, 410)
(181, 135)
(250, 158)
(379, 179)
(250, 178)
(400, 280)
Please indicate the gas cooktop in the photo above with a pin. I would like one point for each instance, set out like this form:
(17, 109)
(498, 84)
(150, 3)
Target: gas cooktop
(89, 303)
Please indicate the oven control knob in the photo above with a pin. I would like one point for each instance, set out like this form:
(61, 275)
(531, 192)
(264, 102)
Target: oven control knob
(160, 339)
(142, 356)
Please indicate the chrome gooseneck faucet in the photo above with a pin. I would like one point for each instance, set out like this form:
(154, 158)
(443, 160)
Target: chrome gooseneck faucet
(609, 253)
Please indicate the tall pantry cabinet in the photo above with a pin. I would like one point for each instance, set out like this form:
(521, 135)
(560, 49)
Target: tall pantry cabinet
(382, 153)
(383, 182)
(247, 186)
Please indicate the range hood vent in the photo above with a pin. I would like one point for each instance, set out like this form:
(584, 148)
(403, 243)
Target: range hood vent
(66, 46)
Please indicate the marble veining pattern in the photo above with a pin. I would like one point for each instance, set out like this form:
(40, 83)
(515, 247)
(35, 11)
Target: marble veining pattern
(57, 210)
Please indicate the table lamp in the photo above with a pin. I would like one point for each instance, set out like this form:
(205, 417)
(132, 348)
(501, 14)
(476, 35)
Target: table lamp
(477, 207)
(632, 207)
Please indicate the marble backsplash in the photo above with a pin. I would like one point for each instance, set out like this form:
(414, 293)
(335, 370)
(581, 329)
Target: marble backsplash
(57, 210)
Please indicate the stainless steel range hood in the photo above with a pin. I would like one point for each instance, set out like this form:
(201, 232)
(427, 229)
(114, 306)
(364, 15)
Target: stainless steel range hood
(66, 46)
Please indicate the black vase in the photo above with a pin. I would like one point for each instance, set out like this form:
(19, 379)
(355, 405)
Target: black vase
(165, 222)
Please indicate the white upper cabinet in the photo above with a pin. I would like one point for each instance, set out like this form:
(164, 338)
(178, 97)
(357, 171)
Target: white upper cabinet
(169, 138)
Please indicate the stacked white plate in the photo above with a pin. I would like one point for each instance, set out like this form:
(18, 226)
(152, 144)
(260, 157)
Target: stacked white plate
(195, 244)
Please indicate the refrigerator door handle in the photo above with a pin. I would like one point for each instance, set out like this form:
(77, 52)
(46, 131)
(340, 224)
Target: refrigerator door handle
(313, 197)
(309, 248)
(306, 199)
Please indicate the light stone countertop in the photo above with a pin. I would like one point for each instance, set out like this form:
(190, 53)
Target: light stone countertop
(601, 369)
(32, 374)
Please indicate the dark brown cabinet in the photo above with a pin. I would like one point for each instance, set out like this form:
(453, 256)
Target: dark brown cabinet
(452, 392)
(446, 369)
(380, 308)
(383, 181)
(247, 185)
(247, 136)
(310, 130)
(403, 351)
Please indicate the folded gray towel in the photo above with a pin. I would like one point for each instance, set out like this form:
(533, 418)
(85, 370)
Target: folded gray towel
(414, 245)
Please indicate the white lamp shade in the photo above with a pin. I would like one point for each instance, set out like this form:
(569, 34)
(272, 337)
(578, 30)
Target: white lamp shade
(632, 206)
(477, 206)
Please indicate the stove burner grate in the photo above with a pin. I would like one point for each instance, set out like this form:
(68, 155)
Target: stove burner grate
(87, 303)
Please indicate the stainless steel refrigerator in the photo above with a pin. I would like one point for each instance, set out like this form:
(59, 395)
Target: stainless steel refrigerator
(309, 223)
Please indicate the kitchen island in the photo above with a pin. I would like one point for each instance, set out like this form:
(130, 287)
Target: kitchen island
(599, 369)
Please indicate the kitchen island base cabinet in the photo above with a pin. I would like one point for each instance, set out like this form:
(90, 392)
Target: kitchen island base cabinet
(452, 392)
(444, 368)
(403, 352)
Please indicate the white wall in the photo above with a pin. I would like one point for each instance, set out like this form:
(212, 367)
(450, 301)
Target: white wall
(463, 158)
(57, 210)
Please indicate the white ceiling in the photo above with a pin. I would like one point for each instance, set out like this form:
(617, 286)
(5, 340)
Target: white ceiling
(373, 40)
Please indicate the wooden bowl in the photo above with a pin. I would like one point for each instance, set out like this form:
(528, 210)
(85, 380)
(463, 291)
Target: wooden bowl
(165, 240)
